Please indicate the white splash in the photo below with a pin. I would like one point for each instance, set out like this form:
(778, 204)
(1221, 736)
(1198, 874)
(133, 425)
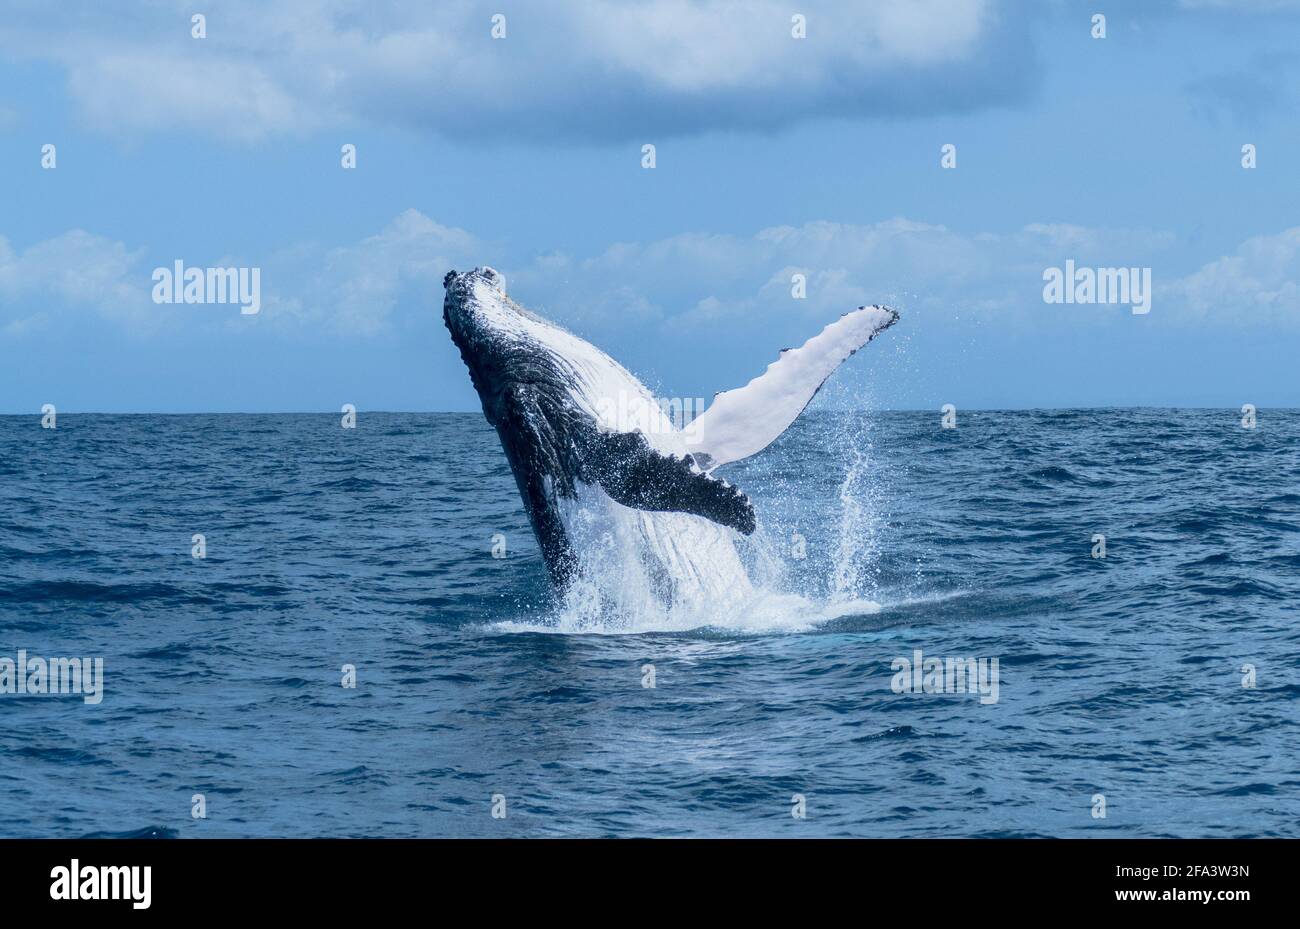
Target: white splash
(859, 524)
(715, 586)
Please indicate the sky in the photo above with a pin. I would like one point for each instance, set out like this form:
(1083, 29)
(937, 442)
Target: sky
(773, 156)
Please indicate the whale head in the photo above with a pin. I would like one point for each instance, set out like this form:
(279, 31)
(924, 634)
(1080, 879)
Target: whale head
(535, 395)
(487, 328)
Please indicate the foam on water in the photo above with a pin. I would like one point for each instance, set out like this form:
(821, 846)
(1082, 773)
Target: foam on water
(763, 612)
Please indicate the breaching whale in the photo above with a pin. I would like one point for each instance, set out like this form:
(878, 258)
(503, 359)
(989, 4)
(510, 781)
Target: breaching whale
(624, 503)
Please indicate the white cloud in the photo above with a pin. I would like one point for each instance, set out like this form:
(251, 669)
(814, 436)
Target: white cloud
(1087, 242)
(379, 284)
(348, 289)
(355, 288)
(568, 70)
(75, 270)
(1259, 282)
(126, 92)
(915, 264)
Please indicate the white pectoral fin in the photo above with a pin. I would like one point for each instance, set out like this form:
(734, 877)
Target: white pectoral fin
(744, 421)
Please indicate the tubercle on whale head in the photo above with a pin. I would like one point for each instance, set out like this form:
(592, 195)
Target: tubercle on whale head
(463, 302)
(467, 279)
(462, 306)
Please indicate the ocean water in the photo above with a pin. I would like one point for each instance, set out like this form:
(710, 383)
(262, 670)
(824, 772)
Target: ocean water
(1119, 676)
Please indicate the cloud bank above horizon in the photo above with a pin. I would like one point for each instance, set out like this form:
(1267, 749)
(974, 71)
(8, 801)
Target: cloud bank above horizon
(563, 72)
(367, 288)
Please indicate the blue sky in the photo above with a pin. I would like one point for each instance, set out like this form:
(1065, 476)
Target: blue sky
(773, 156)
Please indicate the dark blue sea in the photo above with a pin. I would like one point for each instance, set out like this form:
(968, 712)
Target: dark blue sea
(1163, 678)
